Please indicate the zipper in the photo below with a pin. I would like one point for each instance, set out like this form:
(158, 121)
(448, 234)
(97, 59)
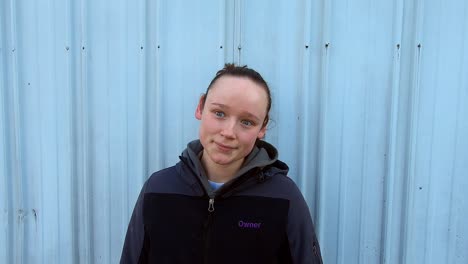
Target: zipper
(207, 227)
(209, 220)
(211, 205)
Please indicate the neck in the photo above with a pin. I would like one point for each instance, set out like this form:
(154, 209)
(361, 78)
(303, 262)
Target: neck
(220, 173)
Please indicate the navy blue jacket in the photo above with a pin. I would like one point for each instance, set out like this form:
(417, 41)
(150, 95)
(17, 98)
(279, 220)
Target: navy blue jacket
(259, 217)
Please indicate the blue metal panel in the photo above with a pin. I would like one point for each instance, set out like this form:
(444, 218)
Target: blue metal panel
(368, 110)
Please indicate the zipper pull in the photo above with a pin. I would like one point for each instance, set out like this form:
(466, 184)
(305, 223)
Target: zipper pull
(211, 205)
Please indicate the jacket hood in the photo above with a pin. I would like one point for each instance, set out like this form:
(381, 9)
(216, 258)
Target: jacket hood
(262, 155)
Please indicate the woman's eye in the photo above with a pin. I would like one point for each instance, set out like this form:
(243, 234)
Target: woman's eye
(219, 114)
(247, 123)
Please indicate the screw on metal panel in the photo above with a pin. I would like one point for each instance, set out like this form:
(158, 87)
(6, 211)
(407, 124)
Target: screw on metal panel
(158, 46)
(420, 188)
(35, 214)
(13, 50)
(82, 48)
(398, 46)
(327, 44)
(29, 83)
(239, 47)
(419, 45)
(306, 46)
(220, 47)
(141, 47)
(67, 48)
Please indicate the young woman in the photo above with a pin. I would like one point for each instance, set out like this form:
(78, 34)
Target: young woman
(229, 199)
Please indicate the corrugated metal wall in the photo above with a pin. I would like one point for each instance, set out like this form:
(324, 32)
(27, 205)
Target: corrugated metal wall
(369, 110)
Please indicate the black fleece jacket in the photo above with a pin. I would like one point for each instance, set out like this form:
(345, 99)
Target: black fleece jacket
(260, 216)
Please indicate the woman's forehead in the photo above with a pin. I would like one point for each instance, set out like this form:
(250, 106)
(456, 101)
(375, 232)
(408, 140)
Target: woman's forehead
(233, 85)
(238, 93)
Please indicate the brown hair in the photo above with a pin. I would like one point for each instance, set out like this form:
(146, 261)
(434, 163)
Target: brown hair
(230, 69)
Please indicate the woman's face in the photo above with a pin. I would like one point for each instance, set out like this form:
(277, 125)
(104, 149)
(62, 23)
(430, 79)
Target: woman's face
(231, 119)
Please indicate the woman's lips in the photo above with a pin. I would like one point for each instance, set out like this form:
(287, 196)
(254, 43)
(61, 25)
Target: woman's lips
(223, 147)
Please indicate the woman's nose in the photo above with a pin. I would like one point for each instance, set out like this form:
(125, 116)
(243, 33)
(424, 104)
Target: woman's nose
(228, 129)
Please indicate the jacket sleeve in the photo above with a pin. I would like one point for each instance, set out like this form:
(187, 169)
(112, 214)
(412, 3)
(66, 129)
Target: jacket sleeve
(303, 244)
(134, 246)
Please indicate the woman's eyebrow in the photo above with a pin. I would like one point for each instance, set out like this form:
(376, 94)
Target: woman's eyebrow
(245, 113)
(251, 116)
(220, 105)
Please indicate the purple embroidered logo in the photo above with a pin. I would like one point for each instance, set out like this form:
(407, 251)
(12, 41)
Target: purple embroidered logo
(243, 224)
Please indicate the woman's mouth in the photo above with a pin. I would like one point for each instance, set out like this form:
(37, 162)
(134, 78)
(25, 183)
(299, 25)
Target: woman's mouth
(223, 148)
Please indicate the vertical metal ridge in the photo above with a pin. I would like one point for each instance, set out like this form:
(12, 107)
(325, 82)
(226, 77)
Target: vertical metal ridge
(65, 232)
(413, 133)
(74, 81)
(365, 148)
(4, 185)
(389, 180)
(322, 131)
(38, 254)
(39, 198)
(237, 31)
(305, 106)
(74, 134)
(451, 234)
(143, 80)
(16, 133)
(124, 188)
(57, 179)
(342, 187)
(222, 33)
(85, 218)
(6, 195)
(159, 159)
(362, 208)
(125, 156)
(108, 103)
(429, 219)
(343, 179)
(230, 35)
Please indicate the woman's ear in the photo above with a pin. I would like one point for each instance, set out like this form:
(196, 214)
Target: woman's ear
(262, 132)
(199, 110)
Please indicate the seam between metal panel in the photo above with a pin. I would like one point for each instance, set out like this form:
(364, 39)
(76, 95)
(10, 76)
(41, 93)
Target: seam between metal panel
(389, 181)
(322, 132)
(86, 244)
(413, 134)
(304, 123)
(159, 93)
